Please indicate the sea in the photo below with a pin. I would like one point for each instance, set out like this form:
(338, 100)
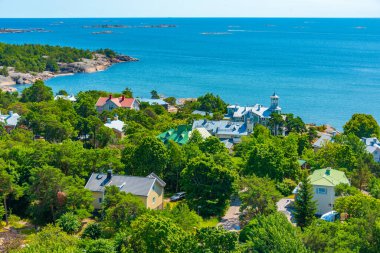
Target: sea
(324, 70)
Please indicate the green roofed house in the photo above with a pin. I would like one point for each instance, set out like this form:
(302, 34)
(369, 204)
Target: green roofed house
(303, 164)
(324, 182)
(179, 135)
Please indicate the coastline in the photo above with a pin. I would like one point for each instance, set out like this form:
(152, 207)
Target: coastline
(99, 62)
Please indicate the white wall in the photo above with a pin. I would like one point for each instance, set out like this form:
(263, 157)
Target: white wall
(325, 202)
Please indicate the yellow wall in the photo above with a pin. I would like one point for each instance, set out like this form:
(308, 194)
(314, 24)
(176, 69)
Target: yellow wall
(96, 196)
(156, 192)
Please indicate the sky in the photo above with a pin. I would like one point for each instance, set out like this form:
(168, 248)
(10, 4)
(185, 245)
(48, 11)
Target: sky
(188, 8)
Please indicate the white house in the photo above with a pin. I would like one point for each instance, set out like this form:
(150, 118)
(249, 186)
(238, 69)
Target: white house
(373, 147)
(324, 182)
(10, 120)
(116, 125)
(252, 115)
(64, 97)
(109, 103)
(323, 139)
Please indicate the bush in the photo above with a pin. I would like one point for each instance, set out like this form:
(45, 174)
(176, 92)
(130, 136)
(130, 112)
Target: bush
(69, 223)
(286, 187)
(92, 231)
(97, 246)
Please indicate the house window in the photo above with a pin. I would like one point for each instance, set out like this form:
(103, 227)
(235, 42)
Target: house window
(154, 200)
(321, 190)
(100, 200)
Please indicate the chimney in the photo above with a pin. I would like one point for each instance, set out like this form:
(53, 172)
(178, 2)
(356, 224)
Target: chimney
(328, 171)
(122, 98)
(108, 120)
(110, 96)
(109, 174)
(334, 133)
(259, 107)
(116, 117)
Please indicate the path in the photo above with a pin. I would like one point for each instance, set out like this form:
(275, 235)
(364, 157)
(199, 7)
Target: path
(230, 220)
(283, 206)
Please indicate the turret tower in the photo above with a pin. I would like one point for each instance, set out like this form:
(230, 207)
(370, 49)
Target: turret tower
(274, 103)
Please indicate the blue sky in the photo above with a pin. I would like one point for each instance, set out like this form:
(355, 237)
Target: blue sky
(189, 8)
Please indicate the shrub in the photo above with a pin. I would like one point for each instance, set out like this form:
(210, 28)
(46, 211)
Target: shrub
(69, 223)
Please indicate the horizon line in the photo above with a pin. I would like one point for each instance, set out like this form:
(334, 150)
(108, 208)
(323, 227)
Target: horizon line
(188, 17)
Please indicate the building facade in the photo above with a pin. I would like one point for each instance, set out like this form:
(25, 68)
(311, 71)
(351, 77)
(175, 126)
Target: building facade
(109, 103)
(373, 147)
(324, 182)
(253, 115)
(149, 189)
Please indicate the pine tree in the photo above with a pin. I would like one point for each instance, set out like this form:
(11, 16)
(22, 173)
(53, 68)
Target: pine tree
(305, 207)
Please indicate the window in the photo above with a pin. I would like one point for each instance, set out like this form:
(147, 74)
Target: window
(321, 191)
(100, 200)
(154, 200)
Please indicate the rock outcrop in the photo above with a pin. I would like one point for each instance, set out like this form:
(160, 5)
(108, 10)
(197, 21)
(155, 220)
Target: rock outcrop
(99, 62)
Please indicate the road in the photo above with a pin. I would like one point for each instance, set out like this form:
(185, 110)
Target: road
(230, 220)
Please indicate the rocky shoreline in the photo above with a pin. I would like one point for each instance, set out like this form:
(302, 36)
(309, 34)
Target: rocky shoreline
(99, 62)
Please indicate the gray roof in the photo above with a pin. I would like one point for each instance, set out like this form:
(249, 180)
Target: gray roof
(202, 113)
(10, 119)
(372, 149)
(115, 124)
(130, 184)
(153, 101)
(222, 127)
(371, 141)
(325, 138)
(259, 110)
(228, 143)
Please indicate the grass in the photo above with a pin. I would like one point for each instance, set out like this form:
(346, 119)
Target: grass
(211, 222)
(171, 204)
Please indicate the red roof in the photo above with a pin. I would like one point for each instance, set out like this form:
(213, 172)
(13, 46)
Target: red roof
(120, 101)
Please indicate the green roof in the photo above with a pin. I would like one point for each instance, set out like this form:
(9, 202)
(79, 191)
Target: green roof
(328, 177)
(179, 135)
(301, 162)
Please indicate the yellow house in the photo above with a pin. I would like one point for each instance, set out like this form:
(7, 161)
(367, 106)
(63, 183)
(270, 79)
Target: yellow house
(150, 189)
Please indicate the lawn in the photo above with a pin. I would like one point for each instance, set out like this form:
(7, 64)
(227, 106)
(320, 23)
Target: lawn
(211, 222)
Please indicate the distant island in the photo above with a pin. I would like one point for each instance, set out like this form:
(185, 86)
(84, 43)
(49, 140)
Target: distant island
(24, 64)
(29, 30)
(108, 26)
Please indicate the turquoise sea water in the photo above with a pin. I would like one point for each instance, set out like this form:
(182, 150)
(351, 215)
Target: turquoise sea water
(323, 69)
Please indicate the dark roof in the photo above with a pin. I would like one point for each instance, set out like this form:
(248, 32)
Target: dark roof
(135, 185)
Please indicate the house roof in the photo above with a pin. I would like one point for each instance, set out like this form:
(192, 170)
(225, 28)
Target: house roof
(328, 177)
(115, 124)
(10, 119)
(371, 141)
(202, 113)
(228, 143)
(152, 101)
(180, 135)
(259, 110)
(372, 149)
(202, 131)
(222, 127)
(119, 102)
(135, 185)
(301, 162)
(325, 138)
(64, 97)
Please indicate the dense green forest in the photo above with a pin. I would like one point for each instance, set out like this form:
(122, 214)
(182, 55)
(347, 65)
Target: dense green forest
(38, 58)
(43, 195)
